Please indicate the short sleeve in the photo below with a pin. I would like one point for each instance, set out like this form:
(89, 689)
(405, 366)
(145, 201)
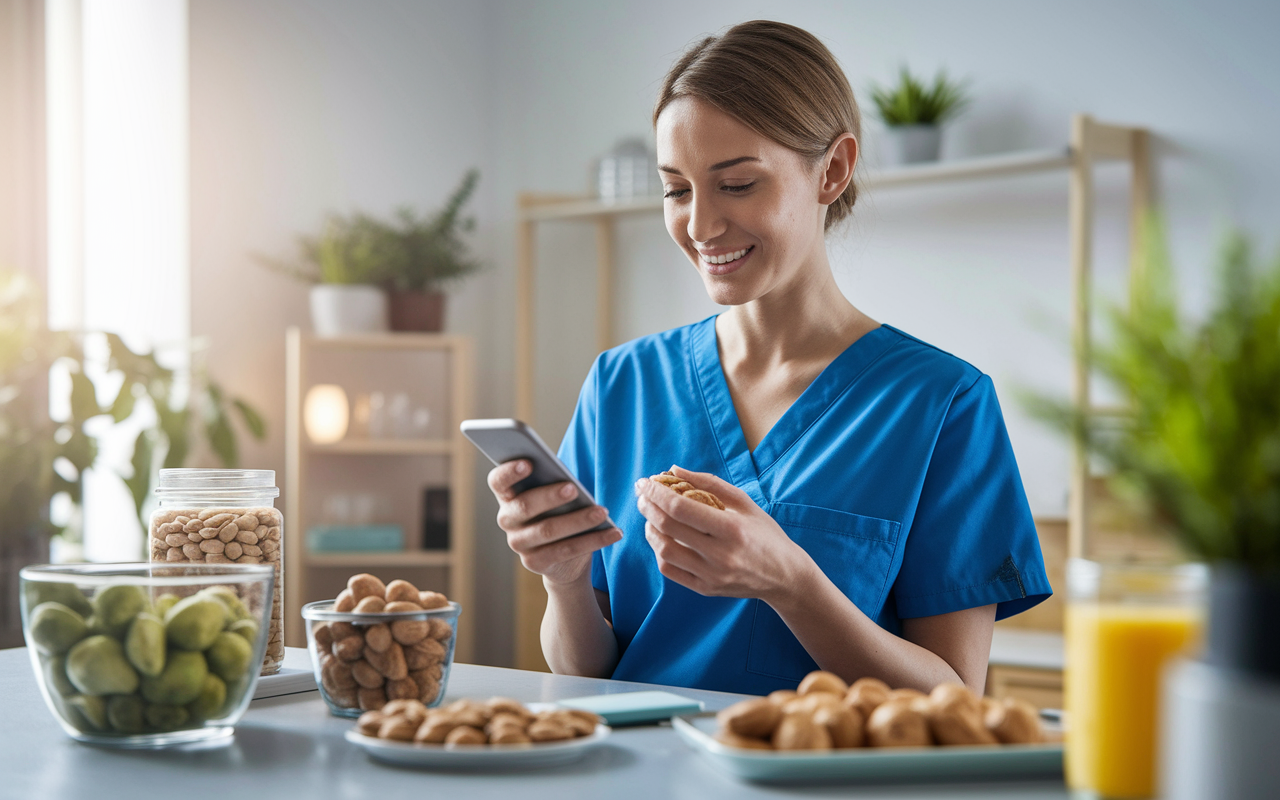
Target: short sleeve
(578, 452)
(972, 541)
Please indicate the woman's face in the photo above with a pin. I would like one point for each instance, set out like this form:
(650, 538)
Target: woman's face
(744, 209)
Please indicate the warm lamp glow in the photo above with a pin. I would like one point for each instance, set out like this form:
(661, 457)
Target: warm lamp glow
(325, 413)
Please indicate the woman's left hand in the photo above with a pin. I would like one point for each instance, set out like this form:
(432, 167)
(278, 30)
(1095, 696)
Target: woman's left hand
(738, 552)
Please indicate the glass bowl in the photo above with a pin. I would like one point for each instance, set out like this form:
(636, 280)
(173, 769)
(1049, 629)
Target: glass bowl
(146, 655)
(362, 661)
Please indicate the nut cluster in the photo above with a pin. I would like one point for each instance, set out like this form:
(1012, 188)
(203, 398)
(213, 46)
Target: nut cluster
(365, 665)
(499, 720)
(226, 536)
(686, 489)
(825, 713)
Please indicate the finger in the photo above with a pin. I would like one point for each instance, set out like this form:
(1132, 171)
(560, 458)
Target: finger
(517, 511)
(692, 513)
(553, 529)
(710, 482)
(506, 475)
(673, 552)
(681, 576)
(549, 555)
(667, 525)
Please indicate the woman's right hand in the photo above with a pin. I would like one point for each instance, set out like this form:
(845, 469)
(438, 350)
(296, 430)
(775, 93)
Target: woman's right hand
(549, 547)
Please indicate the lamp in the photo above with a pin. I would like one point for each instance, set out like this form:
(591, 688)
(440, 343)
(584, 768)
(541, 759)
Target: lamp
(325, 413)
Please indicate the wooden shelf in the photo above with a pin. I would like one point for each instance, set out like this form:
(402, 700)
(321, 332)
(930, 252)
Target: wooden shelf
(388, 341)
(391, 558)
(387, 447)
(1005, 164)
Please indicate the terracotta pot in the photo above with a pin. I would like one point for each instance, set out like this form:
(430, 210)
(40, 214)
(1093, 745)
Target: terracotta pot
(417, 311)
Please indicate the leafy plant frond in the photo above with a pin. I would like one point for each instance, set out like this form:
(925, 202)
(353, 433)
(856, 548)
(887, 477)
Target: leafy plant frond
(912, 102)
(1200, 448)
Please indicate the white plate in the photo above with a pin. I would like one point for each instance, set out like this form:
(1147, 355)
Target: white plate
(475, 756)
(869, 765)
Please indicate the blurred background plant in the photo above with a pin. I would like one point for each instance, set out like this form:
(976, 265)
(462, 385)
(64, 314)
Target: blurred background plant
(1198, 453)
(409, 253)
(42, 458)
(911, 102)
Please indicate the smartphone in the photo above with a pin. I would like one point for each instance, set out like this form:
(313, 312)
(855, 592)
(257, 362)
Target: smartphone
(503, 440)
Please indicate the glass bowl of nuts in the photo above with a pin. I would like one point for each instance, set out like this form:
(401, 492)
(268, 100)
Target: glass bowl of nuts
(146, 655)
(388, 642)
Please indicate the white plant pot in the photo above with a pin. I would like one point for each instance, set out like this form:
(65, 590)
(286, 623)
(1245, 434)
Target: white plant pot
(1219, 735)
(911, 144)
(337, 310)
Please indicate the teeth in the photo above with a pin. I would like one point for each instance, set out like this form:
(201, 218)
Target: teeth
(726, 258)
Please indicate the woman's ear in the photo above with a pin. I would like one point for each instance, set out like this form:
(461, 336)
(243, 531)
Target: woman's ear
(837, 168)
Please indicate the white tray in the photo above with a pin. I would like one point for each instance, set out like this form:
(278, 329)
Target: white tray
(868, 764)
(478, 756)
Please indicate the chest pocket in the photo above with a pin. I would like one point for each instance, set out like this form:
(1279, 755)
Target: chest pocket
(856, 554)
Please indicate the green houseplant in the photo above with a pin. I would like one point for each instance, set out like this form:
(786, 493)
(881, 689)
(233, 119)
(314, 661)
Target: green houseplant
(358, 261)
(42, 458)
(1198, 455)
(914, 113)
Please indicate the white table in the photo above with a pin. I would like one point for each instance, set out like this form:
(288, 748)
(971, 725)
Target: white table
(290, 747)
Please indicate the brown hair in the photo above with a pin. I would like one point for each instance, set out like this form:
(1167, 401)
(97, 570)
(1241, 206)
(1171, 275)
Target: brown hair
(778, 80)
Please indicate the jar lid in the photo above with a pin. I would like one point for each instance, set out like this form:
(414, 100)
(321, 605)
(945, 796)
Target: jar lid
(217, 482)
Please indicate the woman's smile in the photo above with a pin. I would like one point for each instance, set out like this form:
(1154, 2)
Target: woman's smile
(724, 263)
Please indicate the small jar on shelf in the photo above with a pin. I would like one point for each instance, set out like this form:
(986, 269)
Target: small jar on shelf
(224, 516)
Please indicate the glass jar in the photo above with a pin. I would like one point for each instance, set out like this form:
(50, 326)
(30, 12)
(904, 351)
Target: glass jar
(1124, 624)
(224, 516)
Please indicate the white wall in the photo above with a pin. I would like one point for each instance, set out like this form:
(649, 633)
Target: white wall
(300, 106)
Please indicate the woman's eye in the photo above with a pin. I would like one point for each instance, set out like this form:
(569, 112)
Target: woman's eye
(739, 188)
(675, 193)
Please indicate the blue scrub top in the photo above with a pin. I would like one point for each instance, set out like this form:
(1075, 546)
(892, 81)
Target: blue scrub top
(893, 470)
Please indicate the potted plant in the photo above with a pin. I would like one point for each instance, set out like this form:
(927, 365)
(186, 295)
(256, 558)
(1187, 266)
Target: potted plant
(42, 458)
(426, 253)
(1198, 454)
(914, 113)
(343, 263)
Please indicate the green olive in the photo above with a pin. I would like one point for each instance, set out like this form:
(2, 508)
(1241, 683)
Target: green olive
(55, 675)
(124, 712)
(38, 592)
(55, 627)
(115, 607)
(193, 623)
(229, 599)
(144, 644)
(165, 602)
(229, 656)
(166, 717)
(246, 628)
(180, 682)
(86, 712)
(97, 665)
(213, 695)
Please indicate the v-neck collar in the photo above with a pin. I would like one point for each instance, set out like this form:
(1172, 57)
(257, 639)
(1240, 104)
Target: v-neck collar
(744, 466)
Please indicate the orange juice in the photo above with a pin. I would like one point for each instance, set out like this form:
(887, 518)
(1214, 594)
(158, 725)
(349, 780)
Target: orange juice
(1115, 655)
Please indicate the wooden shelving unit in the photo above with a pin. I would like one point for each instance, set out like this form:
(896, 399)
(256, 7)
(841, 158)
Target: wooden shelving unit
(1089, 142)
(304, 493)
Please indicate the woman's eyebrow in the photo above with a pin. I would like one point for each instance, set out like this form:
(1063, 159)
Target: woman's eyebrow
(717, 166)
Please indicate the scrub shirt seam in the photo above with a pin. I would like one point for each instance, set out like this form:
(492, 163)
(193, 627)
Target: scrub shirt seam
(760, 473)
(969, 586)
(706, 411)
(838, 532)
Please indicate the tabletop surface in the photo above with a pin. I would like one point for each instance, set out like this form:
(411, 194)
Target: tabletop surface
(290, 746)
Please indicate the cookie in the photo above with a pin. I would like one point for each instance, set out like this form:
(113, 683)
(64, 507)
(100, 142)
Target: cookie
(686, 489)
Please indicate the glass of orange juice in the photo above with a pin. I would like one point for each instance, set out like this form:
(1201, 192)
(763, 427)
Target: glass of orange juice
(1124, 623)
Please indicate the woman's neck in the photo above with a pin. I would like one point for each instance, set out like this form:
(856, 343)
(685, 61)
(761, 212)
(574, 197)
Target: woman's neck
(805, 319)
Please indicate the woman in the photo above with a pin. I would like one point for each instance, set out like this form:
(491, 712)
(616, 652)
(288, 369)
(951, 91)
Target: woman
(875, 525)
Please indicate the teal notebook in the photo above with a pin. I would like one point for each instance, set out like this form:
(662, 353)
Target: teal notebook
(634, 708)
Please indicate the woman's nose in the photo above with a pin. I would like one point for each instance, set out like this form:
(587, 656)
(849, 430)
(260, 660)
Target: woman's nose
(705, 221)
